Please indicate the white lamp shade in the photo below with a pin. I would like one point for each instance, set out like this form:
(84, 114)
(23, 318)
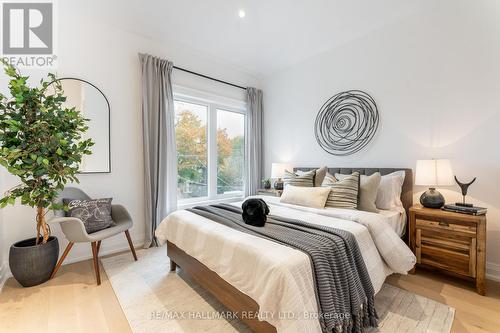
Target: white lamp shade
(278, 169)
(434, 173)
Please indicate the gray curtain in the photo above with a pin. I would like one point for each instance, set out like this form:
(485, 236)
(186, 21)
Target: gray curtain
(160, 154)
(254, 140)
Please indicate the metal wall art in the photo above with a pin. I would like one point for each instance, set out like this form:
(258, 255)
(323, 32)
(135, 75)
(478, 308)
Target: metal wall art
(346, 122)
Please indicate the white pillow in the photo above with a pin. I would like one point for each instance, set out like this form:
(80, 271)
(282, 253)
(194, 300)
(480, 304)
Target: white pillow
(389, 190)
(314, 197)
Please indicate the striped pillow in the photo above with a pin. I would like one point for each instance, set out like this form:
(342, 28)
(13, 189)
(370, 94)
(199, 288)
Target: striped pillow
(304, 180)
(343, 193)
(319, 175)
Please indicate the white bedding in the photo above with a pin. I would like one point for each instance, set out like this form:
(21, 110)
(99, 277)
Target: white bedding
(396, 219)
(277, 277)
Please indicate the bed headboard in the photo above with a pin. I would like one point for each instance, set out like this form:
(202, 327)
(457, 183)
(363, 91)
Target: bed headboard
(406, 193)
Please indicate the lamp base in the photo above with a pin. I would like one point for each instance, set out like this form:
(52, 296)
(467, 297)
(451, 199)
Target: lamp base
(432, 198)
(278, 184)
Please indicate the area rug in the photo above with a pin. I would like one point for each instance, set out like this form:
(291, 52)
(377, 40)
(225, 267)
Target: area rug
(156, 300)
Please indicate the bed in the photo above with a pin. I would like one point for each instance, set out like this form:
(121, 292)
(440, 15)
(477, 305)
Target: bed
(248, 273)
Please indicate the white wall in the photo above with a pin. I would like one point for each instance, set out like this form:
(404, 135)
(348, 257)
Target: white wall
(436, 79)
(108, 57)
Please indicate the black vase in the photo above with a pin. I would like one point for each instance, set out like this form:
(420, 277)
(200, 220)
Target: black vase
(432, 198)
(32, 264)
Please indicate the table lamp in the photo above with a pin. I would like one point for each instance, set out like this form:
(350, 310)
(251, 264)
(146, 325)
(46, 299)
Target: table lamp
(278, 171)
(433, 173)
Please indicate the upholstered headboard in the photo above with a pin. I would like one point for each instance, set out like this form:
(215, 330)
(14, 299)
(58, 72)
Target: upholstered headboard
(406, 193)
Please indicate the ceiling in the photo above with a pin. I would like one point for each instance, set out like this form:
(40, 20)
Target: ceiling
(273, 35)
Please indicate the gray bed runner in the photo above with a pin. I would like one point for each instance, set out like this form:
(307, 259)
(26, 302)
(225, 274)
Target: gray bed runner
(344, 291)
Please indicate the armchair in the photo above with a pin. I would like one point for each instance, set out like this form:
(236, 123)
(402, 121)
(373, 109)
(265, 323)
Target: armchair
(74, 229)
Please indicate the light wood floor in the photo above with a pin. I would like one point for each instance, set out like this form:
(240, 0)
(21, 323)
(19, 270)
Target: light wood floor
(73, 303)
(474, 313)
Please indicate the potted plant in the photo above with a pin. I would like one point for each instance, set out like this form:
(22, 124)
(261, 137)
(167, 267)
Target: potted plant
(41, 143)
(267, 183)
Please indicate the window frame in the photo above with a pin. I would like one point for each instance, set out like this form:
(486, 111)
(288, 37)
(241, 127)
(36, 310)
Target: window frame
(213, 103)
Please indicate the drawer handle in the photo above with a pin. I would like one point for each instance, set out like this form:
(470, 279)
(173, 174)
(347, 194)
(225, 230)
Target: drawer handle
(443, 224)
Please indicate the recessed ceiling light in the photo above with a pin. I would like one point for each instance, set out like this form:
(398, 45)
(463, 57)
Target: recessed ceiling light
(241, 13)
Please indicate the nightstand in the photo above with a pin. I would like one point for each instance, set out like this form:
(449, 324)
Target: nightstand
(270, 192)
(451, 242)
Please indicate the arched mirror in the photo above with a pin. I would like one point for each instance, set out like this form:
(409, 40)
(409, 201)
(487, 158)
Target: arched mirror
(94, 105)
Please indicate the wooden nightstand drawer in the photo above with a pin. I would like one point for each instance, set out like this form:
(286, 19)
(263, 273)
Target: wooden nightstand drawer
(451, 260)
(446, 241)
(446, 226)
(436, 248)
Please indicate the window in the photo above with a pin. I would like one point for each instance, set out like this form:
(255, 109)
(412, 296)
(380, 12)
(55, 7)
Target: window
(210, 138)
(230, 152)
(192, 148)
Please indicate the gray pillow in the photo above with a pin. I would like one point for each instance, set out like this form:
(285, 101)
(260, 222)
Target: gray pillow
(367, 191)
(95, 213)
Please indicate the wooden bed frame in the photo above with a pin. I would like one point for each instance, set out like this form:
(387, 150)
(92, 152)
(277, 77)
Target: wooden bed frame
(240, 304)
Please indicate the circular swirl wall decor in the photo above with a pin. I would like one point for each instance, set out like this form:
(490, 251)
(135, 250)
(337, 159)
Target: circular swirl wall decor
(346, 122)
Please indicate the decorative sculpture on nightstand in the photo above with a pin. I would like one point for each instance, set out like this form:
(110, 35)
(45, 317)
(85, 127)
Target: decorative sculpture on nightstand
(464, 187)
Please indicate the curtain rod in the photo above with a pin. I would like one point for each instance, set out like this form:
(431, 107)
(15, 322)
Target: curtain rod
(210, 78)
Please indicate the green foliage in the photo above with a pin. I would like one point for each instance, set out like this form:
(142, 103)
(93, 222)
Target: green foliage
(191, 139)
(40, 140)
(230, 164)
(192, 154)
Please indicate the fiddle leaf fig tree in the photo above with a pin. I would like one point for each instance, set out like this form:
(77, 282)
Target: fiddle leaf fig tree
(41, 142)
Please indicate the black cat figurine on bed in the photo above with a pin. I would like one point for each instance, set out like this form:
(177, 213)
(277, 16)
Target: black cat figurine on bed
(255, 212)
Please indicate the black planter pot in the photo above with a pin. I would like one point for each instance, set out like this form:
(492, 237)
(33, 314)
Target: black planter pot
(32, 264)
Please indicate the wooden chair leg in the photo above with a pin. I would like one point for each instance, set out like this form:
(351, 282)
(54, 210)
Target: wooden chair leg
(98, 247)
(96, 263)
(59, 263)
(130, 244)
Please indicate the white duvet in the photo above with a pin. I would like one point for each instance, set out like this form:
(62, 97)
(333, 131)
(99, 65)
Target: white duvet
(277, 277)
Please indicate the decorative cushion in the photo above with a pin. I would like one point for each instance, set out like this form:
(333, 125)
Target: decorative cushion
(367, 191)
(389, 191)
(304, 180)
(314, 197)
(318, 177)
(343, 193)
(95, 213)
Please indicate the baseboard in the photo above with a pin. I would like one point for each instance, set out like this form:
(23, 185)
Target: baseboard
(493, 271)
(4, 274)
(5, 271)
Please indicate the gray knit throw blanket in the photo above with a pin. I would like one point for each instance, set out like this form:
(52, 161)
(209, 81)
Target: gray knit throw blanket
(344, 291)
